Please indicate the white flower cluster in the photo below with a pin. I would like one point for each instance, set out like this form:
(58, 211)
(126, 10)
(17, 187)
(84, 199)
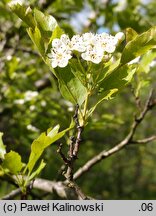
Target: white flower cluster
(28, 96)
(93, 47)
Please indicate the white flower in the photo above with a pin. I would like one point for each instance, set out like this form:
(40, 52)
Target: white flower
(107, 42)
(29, 95)
(77, 43)
(88, 38)
(94, 55)
(65, 39)
(32, 128)
(9, 57)
(19, 101)
(60, 52)
(61, 44)
(93, 47)
(32, 107)
(58, 46)
(43, 103)
(59, 58)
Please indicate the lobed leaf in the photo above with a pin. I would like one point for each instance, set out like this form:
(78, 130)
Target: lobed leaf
(42, 142)
(24, 13)
(139, 45)
(44, 22)
(118, 78)
(106, 95)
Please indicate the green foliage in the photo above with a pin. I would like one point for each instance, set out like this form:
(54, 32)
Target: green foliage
(70, 86)
(130, 34)
(35, 36)
(35, 173)
(129, 174)
(41, 143)
(139, 45)
(73, 80)
(144, 63)
(12, 163)
(24, 13)
(117, 79)
(45, 23)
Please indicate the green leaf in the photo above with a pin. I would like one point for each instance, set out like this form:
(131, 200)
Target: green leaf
(37, 171)
(12, 162)
(46, 23)
(2, 147)
(144, 63)
(71, 88)
(78, 71)
(118, 78)
(35, 36)
(140, 45)
(130, 34)
(52, 132)
(107, 95)
(24, 13)
(37, 149)
(106, 70)
(57, 32)
(42, 142)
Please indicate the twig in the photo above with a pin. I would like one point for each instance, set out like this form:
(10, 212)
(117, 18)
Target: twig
(59, 150)
(69, 160)
(12, 194)
(78, 190)
(144, 141)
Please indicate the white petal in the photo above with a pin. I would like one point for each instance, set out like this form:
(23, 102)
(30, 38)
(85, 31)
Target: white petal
(85, 56)
(97, 60)
(55, 42)
(64, 38)
(50, 55)
(63, 63)
(54, 63)
(110, 48)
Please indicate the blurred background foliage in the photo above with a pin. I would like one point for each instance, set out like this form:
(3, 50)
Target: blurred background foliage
(30, 101)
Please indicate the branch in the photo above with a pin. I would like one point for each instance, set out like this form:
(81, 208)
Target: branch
(60, 188)
(144, 141)
(128, 139)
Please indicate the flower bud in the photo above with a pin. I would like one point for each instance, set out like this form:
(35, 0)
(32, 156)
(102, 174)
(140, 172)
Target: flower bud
(120, 36)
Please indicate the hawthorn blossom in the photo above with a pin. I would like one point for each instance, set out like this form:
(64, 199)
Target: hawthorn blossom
(93, 47)
(77, 43)
(59, 58)
(93, 54)
(60, 52)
